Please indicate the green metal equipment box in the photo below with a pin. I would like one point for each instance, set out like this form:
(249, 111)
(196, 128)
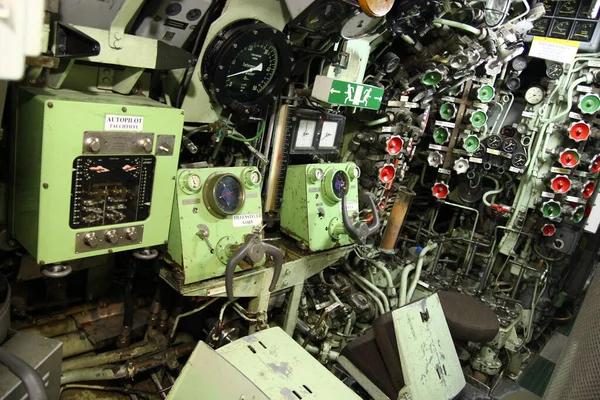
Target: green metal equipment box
(214, 209)
(311, 211)
(91, 173)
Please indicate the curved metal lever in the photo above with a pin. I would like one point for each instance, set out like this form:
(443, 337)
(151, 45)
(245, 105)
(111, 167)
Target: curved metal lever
(254, 250)
(360, 231)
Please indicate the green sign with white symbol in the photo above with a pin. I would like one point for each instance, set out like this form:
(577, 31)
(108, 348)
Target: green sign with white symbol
(347, 93)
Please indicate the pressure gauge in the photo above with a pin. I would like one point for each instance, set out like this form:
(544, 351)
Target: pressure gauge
(554, 71)
(519, 160)
(494, 141)
(328, 134)
(519, 63)
(193, 182)
(509, 145)
(361, 25)
(224, 194)
(306, 133)
(534, 95)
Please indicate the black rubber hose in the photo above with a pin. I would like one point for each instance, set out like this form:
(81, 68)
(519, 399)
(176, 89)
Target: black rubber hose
(27, 374)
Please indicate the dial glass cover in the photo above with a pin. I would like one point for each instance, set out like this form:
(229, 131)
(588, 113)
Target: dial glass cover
(252, 70)
(561, 28)
(306, 133)
(193, 182)
(360, 25)
(325, 16)
(228, 195)
(340, 184)
(583, 31)
(534, 95)
(328, 134)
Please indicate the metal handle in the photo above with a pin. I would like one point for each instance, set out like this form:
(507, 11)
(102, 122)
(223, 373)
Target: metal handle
(255, 250)
(361, 230)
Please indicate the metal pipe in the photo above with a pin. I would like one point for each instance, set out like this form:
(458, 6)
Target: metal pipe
(127, 370)
(396, 220)
(372, 296)
(420, 261)
(404, 283)
(158, 385)
(119, 355)
(74, 344)
(375, 289)
(185, 314)
(54, 328)
(386, 272)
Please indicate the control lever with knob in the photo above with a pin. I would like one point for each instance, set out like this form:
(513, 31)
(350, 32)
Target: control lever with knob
(254, 251)
(361, 230)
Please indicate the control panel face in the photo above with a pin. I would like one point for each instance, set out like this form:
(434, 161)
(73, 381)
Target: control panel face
(111, 190)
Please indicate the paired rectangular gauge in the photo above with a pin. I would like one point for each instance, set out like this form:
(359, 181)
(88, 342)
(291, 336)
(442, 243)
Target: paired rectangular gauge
(313, 132)
(572, 20)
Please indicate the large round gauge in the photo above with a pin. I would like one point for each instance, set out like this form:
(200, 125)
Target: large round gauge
(340, 184)
(224, 194)
(534, 95)
(247, 64)
(361, 25)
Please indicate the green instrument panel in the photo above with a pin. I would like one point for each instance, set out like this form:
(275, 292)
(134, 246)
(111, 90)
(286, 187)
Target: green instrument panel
(214, 209)
(92, 173)
(311, 211)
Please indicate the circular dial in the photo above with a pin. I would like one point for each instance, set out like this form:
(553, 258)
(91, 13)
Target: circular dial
(229, 195)
(252, 70)
(193, 182)
(339, 184)
(509, 145)
(554, 71)
(494, 141)
(519, 160)
(326, 16)
(361, 25)
(246, 65)
(519, 63)
(534, 95)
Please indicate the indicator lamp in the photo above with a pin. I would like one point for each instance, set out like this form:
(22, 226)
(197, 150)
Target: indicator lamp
(461, 166)
(440, 190)
(471, 143)
(394, 145)
(588, 189)
(569, 158)
(595, 164)
(478, 119)
(548, 230)
(579, 131)
(578, 214)
(435, 159)
(447, 111)
(387, 173)
(432, 78)
(551, 209)
(560, 184)
(315, 175)
(486, 93)
(441, 135)
(589, 103)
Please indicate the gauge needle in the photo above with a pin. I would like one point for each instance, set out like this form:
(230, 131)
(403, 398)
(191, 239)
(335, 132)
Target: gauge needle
(226, 195)
(259, 67)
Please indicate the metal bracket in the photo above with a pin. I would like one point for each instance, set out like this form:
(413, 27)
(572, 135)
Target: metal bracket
(117, 28)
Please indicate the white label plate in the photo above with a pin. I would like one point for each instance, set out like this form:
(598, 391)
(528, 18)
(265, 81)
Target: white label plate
(562, 51)
(123, 123)
(247, 220)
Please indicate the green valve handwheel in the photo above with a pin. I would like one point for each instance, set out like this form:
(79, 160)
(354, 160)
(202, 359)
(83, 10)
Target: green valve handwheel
(432, 78)
(447, 111)
(589, 103)
(440, 135)
(578, 214)
(551, 209)
(478, 119)
(471, 143)
(486, 93)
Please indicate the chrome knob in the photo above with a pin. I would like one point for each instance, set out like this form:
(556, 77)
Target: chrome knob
(111, 237)
(131, 234)
(145, 144)
(93, 144)
(90, 239)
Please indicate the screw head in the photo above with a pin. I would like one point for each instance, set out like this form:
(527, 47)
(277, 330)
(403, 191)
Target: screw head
(50, 104)
(124, 109)
(45, 186)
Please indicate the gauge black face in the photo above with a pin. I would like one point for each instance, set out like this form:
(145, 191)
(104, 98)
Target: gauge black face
(519, 160)
(229, 195)
(252, 70)
(554, 71)
(245, 66)
(340, 184)
(567, 9)
(561, 28)
(494, 141)
(583, 31)
(540, 27)
(509, 145)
